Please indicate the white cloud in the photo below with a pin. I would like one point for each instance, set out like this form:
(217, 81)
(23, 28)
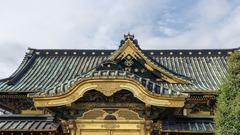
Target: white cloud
(216, 24)
(11, 56)
(212, 11)
(94, 24)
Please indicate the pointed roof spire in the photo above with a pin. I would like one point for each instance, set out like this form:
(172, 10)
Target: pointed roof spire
(129, 36)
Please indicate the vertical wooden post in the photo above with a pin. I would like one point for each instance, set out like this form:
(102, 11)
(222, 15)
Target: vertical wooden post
(72, 127)
(78, 130)
(73, 131)
(148, 121)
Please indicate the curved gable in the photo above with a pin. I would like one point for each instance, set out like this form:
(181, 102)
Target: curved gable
(129, 53)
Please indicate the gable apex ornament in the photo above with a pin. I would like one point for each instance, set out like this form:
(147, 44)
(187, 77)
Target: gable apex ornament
(130, 37)
(129, 48)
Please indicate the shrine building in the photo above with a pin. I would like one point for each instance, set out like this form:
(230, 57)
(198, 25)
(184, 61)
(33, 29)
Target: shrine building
(128, 91)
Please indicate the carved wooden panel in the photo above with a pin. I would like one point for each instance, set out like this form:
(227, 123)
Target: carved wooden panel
(94, 114)
(111, 114)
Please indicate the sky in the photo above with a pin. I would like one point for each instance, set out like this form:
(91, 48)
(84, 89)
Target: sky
(100, 24)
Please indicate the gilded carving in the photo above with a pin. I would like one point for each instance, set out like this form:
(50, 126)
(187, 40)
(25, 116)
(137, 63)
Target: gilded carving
(130, 49)
(128, 63)
(108, 89)
(127, 114)
(94, 114)
(119, 125)
(127, 50)
(119, 114)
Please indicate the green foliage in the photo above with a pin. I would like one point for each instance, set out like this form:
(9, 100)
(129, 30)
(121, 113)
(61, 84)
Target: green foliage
(227, 117)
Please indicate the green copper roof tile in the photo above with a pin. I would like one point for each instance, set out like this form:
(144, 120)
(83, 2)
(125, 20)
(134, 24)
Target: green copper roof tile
(24, 123)
(206, 71)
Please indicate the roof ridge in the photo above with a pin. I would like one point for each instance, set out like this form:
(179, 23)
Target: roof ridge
(149, 52)
(153, 49)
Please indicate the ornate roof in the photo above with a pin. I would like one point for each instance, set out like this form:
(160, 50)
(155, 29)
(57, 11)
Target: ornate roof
(43, 70)
(188, 125)
(27, 123)
(129, 50)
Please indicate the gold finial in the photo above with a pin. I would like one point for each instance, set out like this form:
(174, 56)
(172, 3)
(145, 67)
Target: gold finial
(129, 36)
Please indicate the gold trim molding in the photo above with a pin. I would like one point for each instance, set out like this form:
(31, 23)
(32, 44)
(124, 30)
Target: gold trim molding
(108, 86)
